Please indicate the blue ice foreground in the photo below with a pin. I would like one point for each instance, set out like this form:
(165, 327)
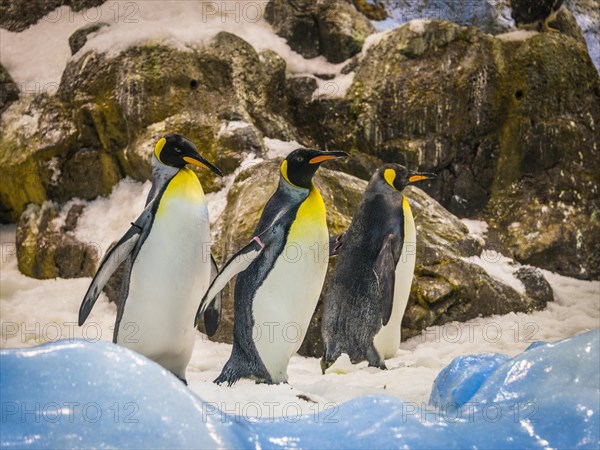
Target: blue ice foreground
(80, 394)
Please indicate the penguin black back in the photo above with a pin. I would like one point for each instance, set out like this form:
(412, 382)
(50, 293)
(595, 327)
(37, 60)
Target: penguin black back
(363, 291)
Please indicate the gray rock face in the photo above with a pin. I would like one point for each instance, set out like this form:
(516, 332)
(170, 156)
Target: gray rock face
(18, 15)
(9, 92)
(587, 14)
(491, 16)
(78, 39)
(536, 286)
(446, 287)
(332, 28)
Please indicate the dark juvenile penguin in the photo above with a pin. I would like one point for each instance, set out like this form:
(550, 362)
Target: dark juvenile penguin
(374, 270)
(281, 274)
(168, 264)
(535, 14)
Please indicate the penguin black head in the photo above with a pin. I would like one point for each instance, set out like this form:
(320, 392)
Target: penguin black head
(398, 177)
(301, 165)
(176, 150)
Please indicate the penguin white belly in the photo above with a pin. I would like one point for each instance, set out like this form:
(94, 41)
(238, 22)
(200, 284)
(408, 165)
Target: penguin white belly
(387, 340)
(285, 302)
(169, 277)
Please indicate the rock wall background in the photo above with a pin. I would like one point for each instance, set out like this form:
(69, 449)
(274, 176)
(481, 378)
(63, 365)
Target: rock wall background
(508, 120)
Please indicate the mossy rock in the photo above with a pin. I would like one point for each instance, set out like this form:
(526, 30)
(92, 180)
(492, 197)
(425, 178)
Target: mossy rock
(36, 135)
(505, 121)
(332, 28)
(47, 247)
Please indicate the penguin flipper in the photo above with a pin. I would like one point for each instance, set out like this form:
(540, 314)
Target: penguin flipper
(385, 273)
(212, 314)
(113, 259)
(236, 264)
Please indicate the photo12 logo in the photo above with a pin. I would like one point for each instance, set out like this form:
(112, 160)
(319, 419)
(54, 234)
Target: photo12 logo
(68, 412)
(290, 412)
(113, 12)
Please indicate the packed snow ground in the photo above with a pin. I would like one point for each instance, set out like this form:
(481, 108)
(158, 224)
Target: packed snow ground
(36, 311)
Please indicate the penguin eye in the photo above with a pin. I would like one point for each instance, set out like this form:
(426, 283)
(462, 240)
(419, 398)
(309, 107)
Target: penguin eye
(177, 149)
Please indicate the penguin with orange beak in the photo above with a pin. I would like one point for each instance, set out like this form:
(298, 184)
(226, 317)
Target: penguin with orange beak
(371, 281)
(168, 264)
(281, 274)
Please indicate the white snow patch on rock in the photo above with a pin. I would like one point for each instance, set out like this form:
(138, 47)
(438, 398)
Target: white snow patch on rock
(418, 25)
(106, 219)
(499, 267)
(518, 35)
(280, 149)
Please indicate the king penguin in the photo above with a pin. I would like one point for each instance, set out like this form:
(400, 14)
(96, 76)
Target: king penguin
(167, 260)
(280, 274)
(371, 281)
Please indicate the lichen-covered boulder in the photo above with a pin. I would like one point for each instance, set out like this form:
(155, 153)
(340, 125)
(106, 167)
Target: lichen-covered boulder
(332, 28)
(47, 246)
(121, 100)
(505, 121)
(544, 200)
(35, 136)
(409, 110)
(447, 285)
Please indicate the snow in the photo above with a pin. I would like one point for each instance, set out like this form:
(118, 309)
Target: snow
(418, 25)
(217, 201)
(37, 56)
(499, 267)
(518, 35)
(476, 227)
(31, 308)
(231, 126)
(280, 149)
(122, 206)
(38, 311)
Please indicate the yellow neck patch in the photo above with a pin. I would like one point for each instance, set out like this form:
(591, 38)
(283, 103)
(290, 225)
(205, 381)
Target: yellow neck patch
(390, 176)
(310, 220)
(158, 147)
(184, 187)
(284, 173)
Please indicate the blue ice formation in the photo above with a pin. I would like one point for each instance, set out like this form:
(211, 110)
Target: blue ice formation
(81, 394)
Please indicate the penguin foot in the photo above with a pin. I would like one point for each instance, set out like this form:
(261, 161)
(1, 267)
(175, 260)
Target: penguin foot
(222, 379)
(325, 365)
(381, 366)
